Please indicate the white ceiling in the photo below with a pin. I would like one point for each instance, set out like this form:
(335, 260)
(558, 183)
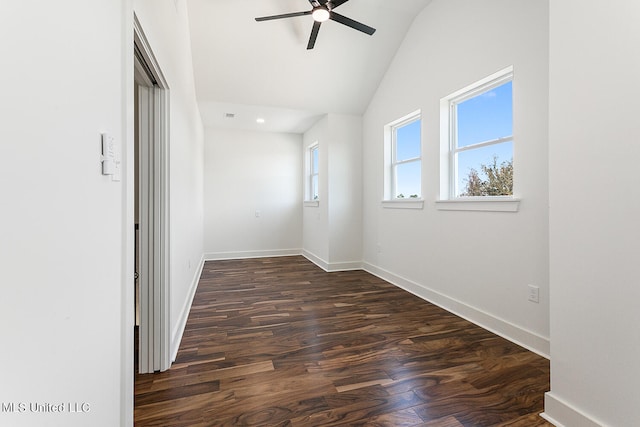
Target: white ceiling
(263, 69)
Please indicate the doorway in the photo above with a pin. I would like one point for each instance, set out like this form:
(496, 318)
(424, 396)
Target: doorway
(151, 210)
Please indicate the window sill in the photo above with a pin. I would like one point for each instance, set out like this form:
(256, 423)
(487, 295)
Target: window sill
(403, 204)
(483, 204)
(311, 203)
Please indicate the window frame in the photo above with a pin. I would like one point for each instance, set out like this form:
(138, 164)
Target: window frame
(390, 197)
(312, 192)
(449, 199)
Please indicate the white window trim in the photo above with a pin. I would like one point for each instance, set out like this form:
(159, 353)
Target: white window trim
(390, 163)
(403, 204)
(448, 170)
(309, 174)
(484, 204)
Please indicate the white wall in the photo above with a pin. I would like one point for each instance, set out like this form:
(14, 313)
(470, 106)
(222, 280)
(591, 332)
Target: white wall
(477, 264)
(66, 269)
(166, 26)
(332, 231)
(595, 207)
(62, 227)
(345, 191)
(248, 172)
(316, 218)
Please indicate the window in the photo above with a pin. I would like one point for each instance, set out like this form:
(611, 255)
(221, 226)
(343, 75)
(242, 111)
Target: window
(312, 173)
(403, 158)
(480, 139)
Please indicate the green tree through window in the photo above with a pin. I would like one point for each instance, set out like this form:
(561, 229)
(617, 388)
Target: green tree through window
(492, 180)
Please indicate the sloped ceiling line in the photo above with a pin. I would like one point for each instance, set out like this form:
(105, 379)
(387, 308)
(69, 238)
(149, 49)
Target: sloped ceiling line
(264, 68)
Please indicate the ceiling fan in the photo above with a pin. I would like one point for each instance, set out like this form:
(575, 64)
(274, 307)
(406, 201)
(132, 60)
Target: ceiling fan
(321, 12)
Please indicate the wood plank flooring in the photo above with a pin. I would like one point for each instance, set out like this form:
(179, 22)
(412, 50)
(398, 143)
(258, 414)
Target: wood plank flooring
(279, 342)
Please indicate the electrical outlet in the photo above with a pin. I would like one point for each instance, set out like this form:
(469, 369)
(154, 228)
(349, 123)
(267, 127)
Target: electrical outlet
(534, 294)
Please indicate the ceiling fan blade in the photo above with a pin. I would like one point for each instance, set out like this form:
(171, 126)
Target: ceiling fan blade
(336, 3)
(351, 23)
(316, 3)
(314, 35)
(286, 15)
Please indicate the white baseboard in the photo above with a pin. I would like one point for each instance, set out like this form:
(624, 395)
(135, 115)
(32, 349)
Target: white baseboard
(562, 414)
(331, 267)
(316, 260)
(505, 329)
(344, 266)
(178, 331)
(216, 256)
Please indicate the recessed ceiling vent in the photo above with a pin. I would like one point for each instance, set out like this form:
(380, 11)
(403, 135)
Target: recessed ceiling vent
(229, 115)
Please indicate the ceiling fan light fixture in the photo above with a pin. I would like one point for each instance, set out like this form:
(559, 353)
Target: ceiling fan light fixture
(320, 14)
(321, 11)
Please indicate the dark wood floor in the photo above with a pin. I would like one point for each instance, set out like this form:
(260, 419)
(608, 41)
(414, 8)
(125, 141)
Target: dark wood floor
(279, 342)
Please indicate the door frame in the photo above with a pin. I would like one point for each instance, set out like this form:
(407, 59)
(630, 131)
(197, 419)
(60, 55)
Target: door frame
(153, 163)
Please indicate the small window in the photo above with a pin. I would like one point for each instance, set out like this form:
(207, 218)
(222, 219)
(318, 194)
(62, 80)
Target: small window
(312, 173)
(403, 158)
(481, 138)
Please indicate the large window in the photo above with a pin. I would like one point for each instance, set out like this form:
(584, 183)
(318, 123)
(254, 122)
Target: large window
(404, 158)
(312, 173)
(481, 138)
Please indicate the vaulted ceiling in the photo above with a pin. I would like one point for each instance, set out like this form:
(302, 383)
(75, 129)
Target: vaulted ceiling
(263, 69)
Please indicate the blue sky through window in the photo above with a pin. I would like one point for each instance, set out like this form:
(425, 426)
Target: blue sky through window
(408, 141)
(486, 117)
(408, 146)
(314, 160)
(314, 173)
(408, 175)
